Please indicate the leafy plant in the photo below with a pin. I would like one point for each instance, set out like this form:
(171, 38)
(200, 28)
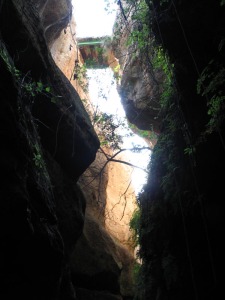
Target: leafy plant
(116, 71)
(30, 89)
(211, 86)
(34, 88)
(135, 226)
(10, 66)
(139, 33)
(80, 74)
(25, 82)
(107, 128)
(189, 150)
(147, 134)
(38, 159)
(160, 61)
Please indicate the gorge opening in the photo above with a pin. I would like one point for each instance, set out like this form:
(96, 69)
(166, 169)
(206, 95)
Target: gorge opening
(103, 85)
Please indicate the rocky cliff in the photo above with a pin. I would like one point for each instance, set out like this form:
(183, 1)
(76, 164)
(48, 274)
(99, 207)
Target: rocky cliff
(139, 86)
(60, 237)
(57, 236)
(182, 206)
(47, 143)
(103, 259)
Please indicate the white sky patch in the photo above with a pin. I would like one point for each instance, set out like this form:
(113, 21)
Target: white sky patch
(92, 19)
(104, 95)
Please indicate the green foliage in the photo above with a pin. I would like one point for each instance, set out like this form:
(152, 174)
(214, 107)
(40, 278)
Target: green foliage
(135, 226)
(109, 6)
(160, 62)
(136, 271)
(134, 24)
(10, 66)
(107, 128)
(34, 88)
(25, 82)
(92, 64)
(211, 86)
(99, 50)
(138, 281)
(116, 71)
(38, 159)
(141, 44)
(80, 74)
(139, 35)
(29, 89)
(147, 134)
(189, 150)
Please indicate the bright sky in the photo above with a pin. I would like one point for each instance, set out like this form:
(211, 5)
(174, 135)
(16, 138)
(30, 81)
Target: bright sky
(112, 105)
(93, 21)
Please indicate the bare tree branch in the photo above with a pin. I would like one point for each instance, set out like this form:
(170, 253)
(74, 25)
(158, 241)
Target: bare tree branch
(126, 163)
(124, 194)
(112, 158)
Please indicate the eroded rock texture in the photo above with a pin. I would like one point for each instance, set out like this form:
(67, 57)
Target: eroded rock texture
(182, 205)
(103, 259)
(139, 85)
(47, 142)
(55, 16)
(183, 210)
(54, 240)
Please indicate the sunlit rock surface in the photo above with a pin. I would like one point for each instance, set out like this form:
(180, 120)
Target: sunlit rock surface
(103, 259)
(55, 16)
(121, 201)
(110, 204)
(139, 88)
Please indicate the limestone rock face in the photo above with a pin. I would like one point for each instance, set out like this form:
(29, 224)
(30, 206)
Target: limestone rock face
(64, 50)
(103, 259)
(139, 88)
(106, 235)
(67, 56)
(100, 264)
(47, 143)
(140, 95)
(187, 214)
(121, 202)
(55, 16)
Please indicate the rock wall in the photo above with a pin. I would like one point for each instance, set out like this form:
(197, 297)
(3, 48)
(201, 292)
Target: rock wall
(121, 202)
(182, 208)
(47, 143)
(55, 16)
(103, 259)
(138, 86)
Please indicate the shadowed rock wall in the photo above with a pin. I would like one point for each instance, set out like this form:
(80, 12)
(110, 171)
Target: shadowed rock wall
(47, 143)
(183, 210)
